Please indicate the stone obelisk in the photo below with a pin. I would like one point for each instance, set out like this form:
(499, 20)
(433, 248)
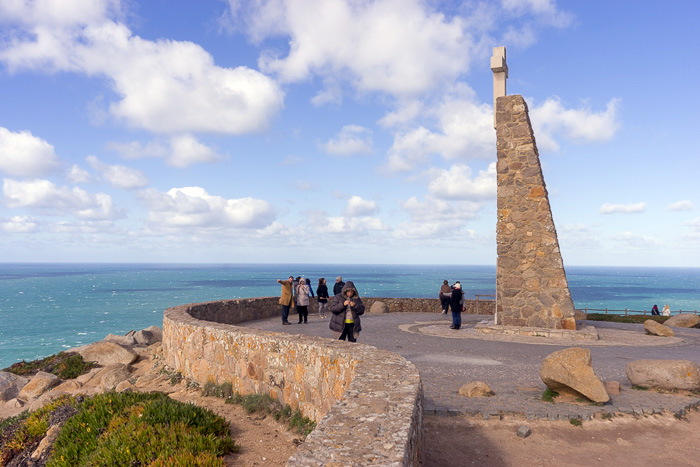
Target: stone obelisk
(531, 285)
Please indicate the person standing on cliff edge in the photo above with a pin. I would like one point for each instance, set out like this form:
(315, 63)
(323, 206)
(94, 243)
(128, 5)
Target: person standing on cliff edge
(286, 298)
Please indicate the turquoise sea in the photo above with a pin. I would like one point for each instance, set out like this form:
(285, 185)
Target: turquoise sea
(45, 308)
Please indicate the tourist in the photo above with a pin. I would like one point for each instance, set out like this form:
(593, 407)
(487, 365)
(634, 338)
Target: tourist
(303, 301)
(286, 298)
(322, 294)
(666, 311)
(346, 308)
(445, 294)
(338, 285)
(311, 291)
(456, 301)
(655, 310)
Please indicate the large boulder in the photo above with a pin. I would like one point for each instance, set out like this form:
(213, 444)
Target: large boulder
(114, 374)
(126, 341)
(379, 307)
(108, 353)
(38, 385)
(569, 371)
(156, 331)
(657, 329)
(10, 385)
(684, 320)
(665, 374)
(144, 338)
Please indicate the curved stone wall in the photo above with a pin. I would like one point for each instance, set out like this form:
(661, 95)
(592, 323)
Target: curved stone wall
(368, 402)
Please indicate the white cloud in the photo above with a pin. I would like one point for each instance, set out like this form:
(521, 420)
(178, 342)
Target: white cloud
(179, 151)
(24, 155)
(193, 207)
(457, 183)
(578, 236)
(353, 225)
(393, 46)
(18, 224)
(46, 197)
(684, 205)
(165, 86)
(358, 207)
(545, 10)
(186, 150)
(437, 218)
(119, 176)
(635, 208)
(352, 139)
(78, 175)
(464, 130)
(551, 119)
(634, 241)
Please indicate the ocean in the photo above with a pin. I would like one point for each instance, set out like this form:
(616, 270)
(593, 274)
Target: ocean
(46, 308)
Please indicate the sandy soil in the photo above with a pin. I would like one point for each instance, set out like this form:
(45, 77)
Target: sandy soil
(647, 441)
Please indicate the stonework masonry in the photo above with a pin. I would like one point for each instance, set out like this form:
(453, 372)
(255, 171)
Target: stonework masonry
(368, 402)
(531, 285)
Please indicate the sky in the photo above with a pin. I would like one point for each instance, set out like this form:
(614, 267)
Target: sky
(337, 131)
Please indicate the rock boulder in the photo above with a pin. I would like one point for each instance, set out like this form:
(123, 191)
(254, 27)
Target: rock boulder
(38, 385)
(475, 389)
(379, 307)
(108, 353)
(657, 329)
(684, 320)
(665, 374)
(10, 385)
(569, 371)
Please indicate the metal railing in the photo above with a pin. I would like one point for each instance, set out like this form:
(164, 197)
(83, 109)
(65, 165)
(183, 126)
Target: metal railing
(627, 311)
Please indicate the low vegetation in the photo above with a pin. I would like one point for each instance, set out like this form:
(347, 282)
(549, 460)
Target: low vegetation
(625, 319)
(548, 395)
(147, 429)
(263, 404)
(65, 365)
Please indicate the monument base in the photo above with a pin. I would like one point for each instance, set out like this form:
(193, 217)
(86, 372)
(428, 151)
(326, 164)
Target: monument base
(586, 333)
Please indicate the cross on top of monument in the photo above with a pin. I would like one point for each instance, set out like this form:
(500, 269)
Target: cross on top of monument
(500, 73)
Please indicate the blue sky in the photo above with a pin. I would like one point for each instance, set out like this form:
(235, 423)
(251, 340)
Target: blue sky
(335, 131)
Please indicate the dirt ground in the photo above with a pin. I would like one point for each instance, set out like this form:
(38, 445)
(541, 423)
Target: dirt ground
(621, 441)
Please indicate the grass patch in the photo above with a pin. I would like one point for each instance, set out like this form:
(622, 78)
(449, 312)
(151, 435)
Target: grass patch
(548, 395)
(141, 429)
(607, 415)
(640, 388)
(65, 365)
(638, 319)
(576, 421)
(262, 404)
(173, 376)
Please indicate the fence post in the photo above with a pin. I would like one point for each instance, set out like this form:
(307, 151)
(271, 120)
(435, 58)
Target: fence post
(606, 310)
(625, 311)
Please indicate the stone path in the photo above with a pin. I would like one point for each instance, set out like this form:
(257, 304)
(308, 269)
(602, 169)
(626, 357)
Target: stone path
(510, 365)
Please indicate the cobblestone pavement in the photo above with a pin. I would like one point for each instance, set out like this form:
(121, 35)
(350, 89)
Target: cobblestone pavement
(510, 365)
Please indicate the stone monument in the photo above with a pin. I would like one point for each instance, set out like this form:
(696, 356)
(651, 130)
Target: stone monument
(531, 285)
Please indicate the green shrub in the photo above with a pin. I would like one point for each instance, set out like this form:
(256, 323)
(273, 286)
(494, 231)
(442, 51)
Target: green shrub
(548, 395)
(65, 365)
(576, 421)
(140, 429)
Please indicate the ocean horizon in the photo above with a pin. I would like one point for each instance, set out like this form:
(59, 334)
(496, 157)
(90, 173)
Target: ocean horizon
(49, 307)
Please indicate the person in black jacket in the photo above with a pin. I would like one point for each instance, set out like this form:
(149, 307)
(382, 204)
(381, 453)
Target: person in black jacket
(456, 306)
(322, 294)
(347, 307)
(338, 287)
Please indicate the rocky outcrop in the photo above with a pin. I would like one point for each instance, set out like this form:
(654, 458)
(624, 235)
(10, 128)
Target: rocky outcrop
(10, 385)
(112, 375)
(684, 320)
(379, 307)
(665, 374)
(657, 329)
(570, 371)
(107, 353)
(475, 389)
(38, 385)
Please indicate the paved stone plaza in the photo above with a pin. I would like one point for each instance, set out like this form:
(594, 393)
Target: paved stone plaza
(510, 365)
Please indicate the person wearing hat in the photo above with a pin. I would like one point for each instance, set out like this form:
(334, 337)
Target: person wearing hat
(347, 307)
(456, 306)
